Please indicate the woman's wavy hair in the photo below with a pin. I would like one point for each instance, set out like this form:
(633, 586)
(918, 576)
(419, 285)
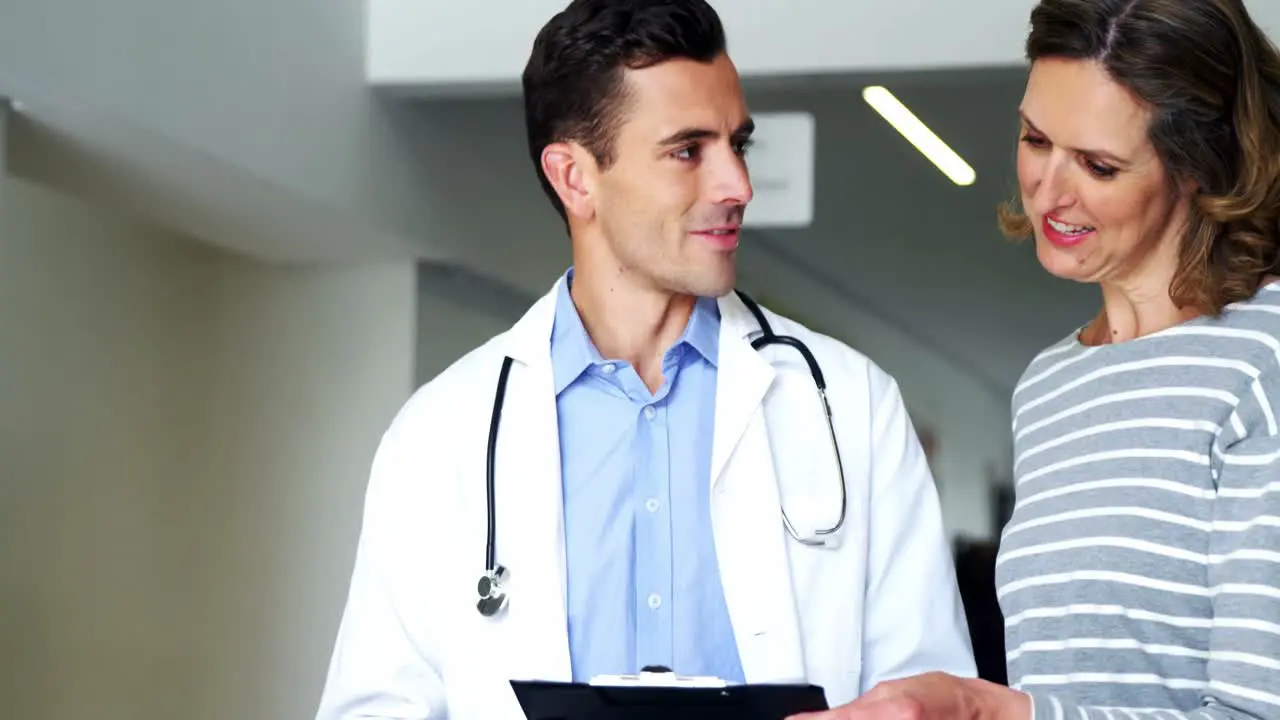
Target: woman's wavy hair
(1211, 78)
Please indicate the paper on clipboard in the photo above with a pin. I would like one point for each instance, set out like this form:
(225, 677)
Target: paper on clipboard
(658, 679)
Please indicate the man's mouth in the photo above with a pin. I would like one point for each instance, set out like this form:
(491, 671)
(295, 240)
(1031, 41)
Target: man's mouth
(724, 237)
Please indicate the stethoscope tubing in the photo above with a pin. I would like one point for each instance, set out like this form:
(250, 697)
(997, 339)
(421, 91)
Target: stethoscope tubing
(490, 588)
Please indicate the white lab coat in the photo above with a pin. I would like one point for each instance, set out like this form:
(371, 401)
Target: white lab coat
(884, 604)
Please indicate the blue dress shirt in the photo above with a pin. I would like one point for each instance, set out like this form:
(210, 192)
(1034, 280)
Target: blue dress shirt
(643, 583)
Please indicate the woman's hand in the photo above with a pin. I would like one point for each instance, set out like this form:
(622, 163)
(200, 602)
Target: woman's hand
(932, 696)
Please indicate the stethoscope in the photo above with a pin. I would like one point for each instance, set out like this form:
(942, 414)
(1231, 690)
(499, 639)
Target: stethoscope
(493, 594)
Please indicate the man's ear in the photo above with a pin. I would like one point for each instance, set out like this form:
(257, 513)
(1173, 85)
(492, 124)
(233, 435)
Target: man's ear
(571, 171)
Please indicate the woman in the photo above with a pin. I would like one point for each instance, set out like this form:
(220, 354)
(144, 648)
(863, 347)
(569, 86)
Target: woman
(1139, 576)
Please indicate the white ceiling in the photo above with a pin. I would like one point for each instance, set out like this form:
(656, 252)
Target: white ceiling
(891, 234)
(896, 237)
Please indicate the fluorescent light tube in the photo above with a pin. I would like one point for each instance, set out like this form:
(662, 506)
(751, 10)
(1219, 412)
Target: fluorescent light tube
(910, 127)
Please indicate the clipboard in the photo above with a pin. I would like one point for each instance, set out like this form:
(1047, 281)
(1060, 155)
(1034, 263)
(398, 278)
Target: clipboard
(645, 697)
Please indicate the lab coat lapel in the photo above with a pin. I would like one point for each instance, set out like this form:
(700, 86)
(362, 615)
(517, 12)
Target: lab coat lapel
(530, 537)
(743, 378)
(750, 539)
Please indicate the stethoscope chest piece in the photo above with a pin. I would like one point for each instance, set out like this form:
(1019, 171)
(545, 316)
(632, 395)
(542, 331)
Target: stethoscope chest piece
(492, 590)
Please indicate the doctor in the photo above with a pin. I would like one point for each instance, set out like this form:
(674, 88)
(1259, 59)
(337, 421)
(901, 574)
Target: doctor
(643, 453)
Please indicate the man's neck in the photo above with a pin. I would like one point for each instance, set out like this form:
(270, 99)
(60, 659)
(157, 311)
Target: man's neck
(628, 322)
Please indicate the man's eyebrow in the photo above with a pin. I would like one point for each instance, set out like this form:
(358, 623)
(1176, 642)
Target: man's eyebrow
(689, 135)
(1101, 154)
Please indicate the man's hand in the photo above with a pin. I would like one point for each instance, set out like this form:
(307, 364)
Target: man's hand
(932, 696)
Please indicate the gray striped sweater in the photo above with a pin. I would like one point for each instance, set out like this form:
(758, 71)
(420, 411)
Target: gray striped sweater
(1139, 576)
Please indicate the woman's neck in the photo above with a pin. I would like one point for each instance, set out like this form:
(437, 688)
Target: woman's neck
(1126, 318)
(1135, 307)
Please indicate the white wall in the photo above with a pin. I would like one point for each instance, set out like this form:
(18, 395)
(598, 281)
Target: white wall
(102, 374)
(448, 329)
(457, 312)
(184, 444)
(309, 365)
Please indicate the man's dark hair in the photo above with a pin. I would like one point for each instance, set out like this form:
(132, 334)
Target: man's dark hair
(573, 82)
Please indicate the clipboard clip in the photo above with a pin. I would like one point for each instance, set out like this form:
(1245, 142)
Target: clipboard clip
(658, 678)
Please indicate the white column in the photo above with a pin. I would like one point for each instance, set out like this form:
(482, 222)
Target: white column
(5, 108)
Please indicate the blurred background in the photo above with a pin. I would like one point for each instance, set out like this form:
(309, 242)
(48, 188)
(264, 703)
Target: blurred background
(235, 236)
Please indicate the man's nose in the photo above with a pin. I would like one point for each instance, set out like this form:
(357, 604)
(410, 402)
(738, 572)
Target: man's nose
(732, 181)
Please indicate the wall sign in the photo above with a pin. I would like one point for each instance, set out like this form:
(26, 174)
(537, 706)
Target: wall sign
(781, 162)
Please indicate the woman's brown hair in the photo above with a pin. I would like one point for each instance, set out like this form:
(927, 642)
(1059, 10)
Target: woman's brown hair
(1211, 78)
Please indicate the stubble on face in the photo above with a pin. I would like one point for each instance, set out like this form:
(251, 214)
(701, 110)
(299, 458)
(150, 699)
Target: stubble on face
(670, 207)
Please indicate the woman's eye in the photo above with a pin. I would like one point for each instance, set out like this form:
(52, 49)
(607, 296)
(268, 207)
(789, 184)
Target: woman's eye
(1100, 170)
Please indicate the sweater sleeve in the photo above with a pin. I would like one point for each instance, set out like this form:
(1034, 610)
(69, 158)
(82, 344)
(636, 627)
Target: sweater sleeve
(1243, 579)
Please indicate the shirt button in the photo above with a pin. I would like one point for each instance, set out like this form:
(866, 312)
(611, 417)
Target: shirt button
(608, 369)
(652, 505)
(649, 412)
(655, 601)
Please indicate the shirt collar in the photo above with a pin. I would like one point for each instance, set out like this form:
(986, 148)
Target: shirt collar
(572, 350)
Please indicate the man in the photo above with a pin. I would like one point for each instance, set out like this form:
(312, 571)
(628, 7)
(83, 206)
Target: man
(642, 452)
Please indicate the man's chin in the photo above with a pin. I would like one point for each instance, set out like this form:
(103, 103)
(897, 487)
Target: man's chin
(714, 289)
